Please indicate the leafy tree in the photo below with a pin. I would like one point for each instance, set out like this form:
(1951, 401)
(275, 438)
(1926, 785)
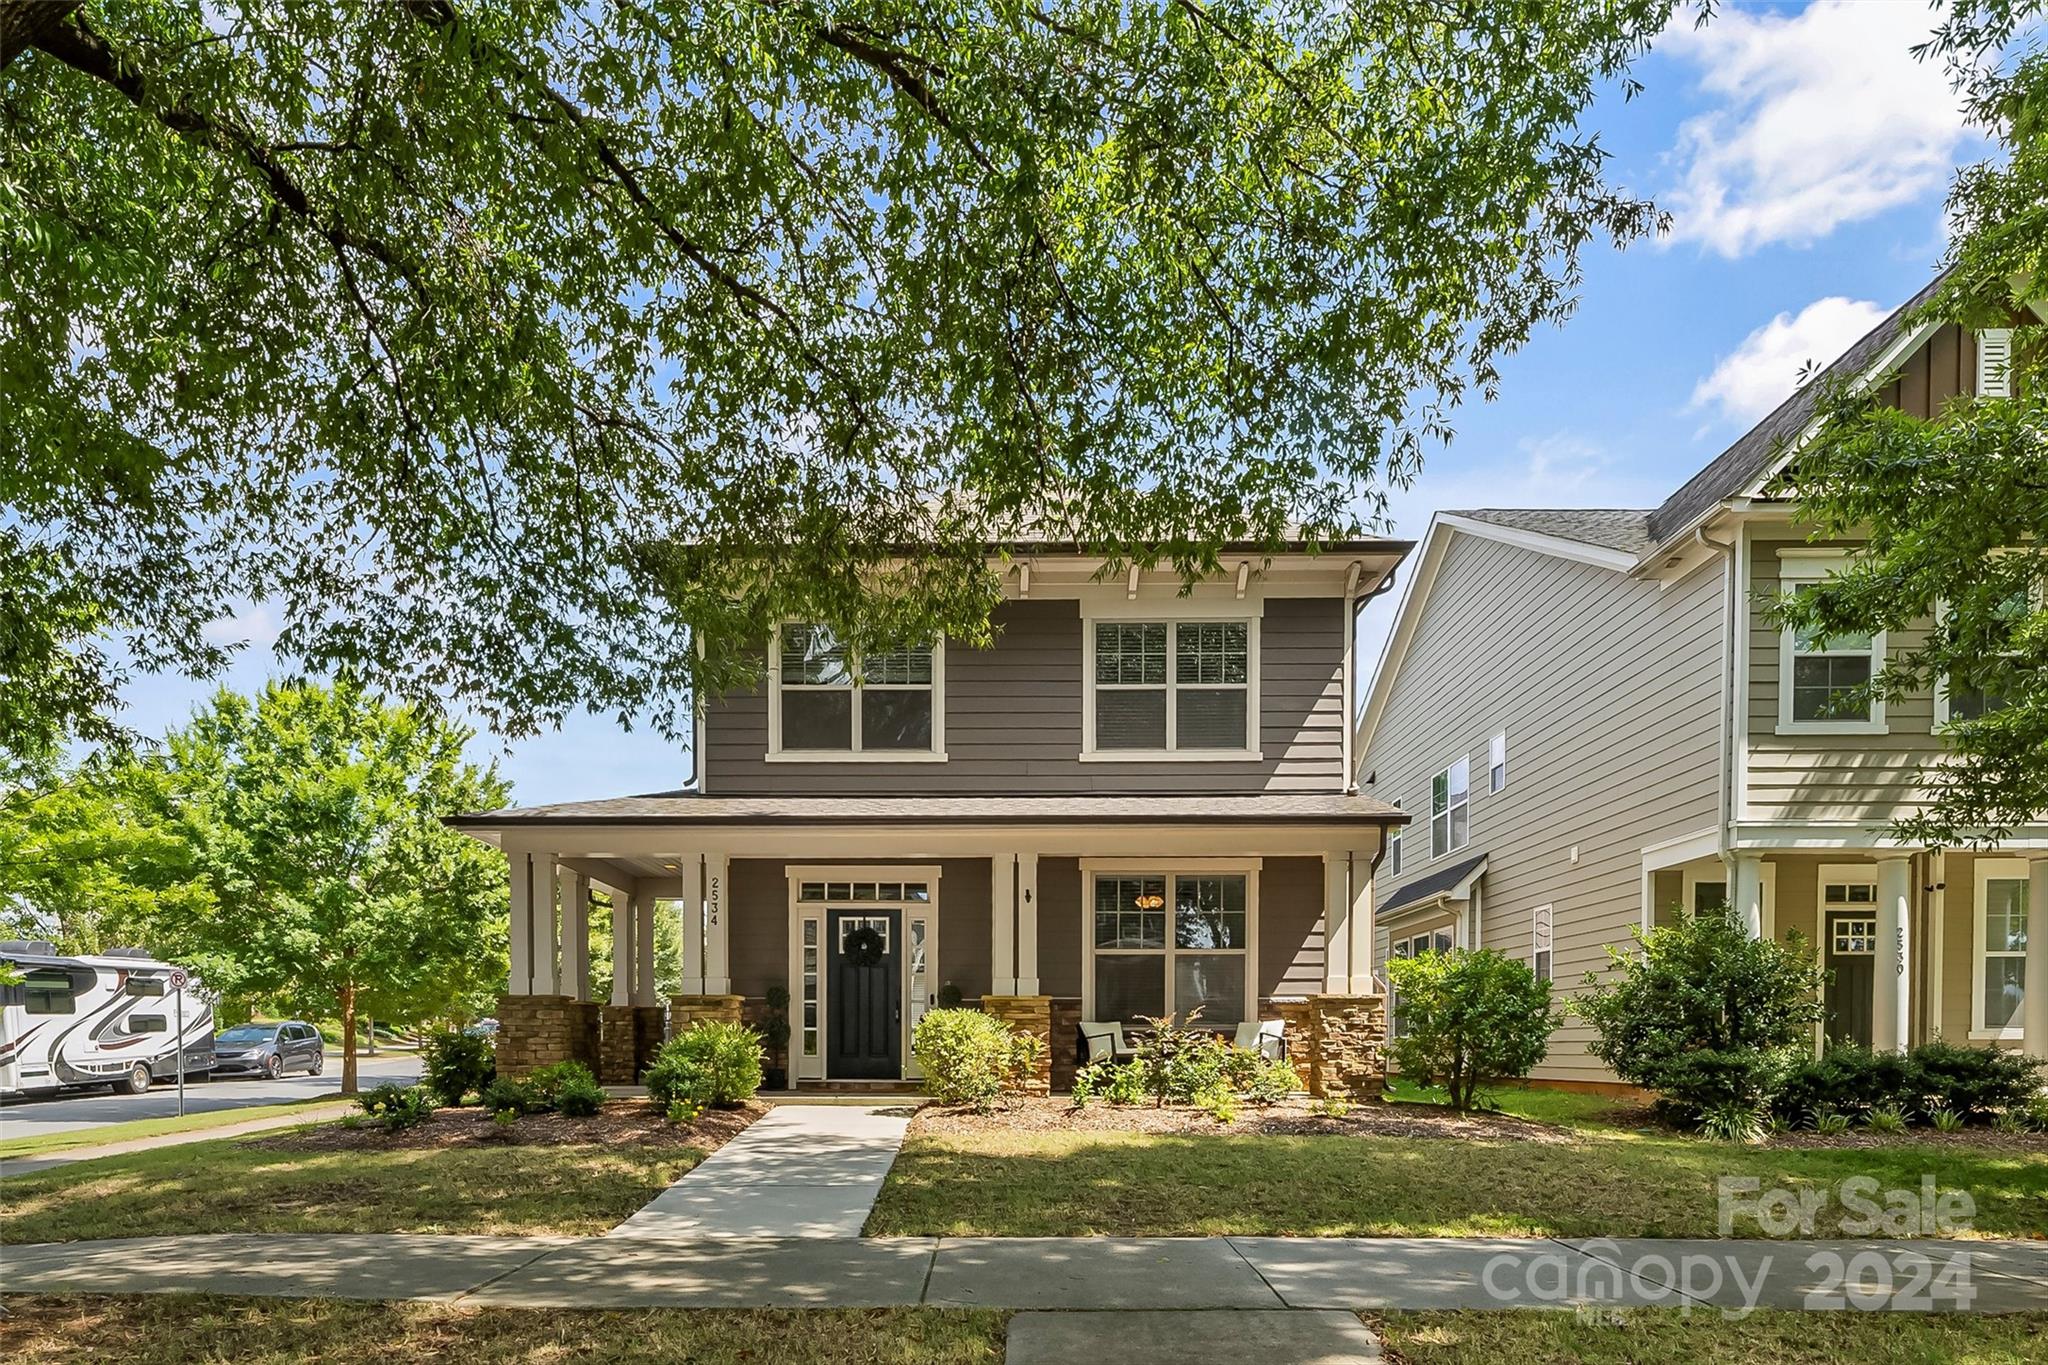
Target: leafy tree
(509, 350)
(1956, 509)
(314, 815)
(1471, 1019)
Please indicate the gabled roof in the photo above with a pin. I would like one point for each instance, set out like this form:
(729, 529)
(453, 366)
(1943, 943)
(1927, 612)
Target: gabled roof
(1449, 883)
(1610, 528)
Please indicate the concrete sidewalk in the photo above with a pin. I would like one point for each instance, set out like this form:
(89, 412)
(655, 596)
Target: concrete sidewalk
(802, 1170)
(312, 1113)
(1048, 1273)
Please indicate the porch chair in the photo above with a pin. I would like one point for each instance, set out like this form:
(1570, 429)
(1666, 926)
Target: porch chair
(1100, 1041)
(1267, 1037)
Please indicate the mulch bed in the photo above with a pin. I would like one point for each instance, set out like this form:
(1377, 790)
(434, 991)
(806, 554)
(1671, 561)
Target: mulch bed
(1978, 1138)
(631, 1123)
(1291, 1117)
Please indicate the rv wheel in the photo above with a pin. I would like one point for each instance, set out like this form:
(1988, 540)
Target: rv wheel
(137, 1082)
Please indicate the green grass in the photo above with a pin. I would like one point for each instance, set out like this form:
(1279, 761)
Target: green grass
(231, 1185)
(175, 1329)
(1671, 1338)
(1598, 1184)
(1540, 1104)
(46, 1143)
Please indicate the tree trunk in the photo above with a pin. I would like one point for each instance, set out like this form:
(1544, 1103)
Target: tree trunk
(23, 22)
(348, 1039)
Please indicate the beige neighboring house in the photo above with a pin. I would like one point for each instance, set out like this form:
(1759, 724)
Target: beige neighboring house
(1592, 722)
(1138, 800)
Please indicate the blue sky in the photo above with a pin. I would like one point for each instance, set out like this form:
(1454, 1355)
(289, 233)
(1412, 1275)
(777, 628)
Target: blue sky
(1804, 156)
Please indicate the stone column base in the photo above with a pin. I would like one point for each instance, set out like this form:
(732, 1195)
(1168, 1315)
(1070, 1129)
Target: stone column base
(1028, 1014)
(542, 1030)
(1294, 1012)
(686, 1010)
(1346, 1033)
(1066, 1043)
(630, 1035)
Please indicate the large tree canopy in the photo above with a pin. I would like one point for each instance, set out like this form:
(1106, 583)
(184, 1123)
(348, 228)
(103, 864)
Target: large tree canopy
(501, 344)
(1955, 510)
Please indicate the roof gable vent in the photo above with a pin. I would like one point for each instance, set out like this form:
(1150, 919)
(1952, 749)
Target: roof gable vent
(1994, 362)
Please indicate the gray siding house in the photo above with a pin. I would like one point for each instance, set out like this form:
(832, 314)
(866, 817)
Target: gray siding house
(1138, 800)
(1592, 722)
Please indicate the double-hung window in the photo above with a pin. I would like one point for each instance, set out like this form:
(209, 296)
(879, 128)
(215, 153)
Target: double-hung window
(1166, 942)
(1820, 676)
(1182, 687)
(1541, 946)
(2001, 967)
(1959, 697)
(1450, 824)
(829, 701)
(1497, 764)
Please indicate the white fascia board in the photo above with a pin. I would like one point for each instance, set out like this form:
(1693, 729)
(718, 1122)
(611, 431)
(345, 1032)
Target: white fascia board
(1903, 345)
(1558, 546)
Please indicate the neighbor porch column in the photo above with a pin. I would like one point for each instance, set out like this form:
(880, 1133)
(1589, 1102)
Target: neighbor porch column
(575, 892)
(644, 992)
(624, 917)
(1027, 924)
(520, 980)
(717, 949)
(1361, 919)
(2034, 1001)
(1746, 892)
(1891, 1010)
(1002, 924)
(547, 934)
(1337, 923)
(693, 925)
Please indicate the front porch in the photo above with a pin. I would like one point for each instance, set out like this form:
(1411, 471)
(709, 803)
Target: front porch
(1044, 911)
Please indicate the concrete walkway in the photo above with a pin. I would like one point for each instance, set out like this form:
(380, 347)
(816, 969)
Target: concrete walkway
(1091, 1274)
(312, 1113)
(801, 1171)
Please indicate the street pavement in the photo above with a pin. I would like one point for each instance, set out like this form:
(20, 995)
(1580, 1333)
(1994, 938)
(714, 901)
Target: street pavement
(85, 1109)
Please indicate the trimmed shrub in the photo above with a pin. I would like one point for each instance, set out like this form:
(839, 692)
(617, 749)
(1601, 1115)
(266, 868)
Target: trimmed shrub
(1472, 1018)
(972, 1058)
(675, 1081)
(1974, 1082)
(545, 1086)
(456, 1065)
(727, 1055)
(1847, 1079)
(507, 1096)
(397, 1107)
(1119, 1083)
(1273, 1082)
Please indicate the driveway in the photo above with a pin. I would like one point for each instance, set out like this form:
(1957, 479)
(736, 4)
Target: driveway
(84, 1109)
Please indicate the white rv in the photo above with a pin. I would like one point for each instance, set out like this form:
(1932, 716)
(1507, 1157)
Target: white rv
(97, 1019)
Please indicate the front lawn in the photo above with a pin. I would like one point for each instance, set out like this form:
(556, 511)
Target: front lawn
(555, 1175)
(1671, 1338)
(176, 1329)
(1023, 1175)
(43, 1144)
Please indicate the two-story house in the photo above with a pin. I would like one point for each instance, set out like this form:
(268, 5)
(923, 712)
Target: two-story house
(1139, 800)
(1593, 721)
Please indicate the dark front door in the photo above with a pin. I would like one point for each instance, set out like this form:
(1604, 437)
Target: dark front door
(864, 1035)
(1852, 984)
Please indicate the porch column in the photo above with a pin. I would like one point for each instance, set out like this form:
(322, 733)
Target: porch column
(643, 948)
(575, 893)
(520, 981)
(1337, 923)
(717, 951)
(1746, 892)
(2034, 1001)
(547, 934)
(1891, 1009)
(1361, 923)
(1027, 924)
(624, 917)
(1002, 924)
(693, 925)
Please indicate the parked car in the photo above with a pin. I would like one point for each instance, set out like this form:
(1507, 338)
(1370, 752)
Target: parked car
(269, 1050)
(483, 1028)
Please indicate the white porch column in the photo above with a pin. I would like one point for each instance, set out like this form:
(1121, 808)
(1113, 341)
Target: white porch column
(645, 991)
(2034, 1003)
(575, 933)
(624, 922)
(693, 925)
(1361, 924)
(717, 949)
(1027, 924)
(520, 980)
(547, 977)
(1891, 1011)
(1002, 923)
(1337, 923)
(1746, 892)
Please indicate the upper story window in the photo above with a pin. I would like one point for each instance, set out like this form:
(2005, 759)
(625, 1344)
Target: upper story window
(828, 702)
(1541, 946)
(1958, 697)
(1184, 688)
(1394, 848)
(1819, 676)
(1497, 763)
(1450, 823)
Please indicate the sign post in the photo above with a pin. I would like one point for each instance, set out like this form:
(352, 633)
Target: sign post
(178, 1040)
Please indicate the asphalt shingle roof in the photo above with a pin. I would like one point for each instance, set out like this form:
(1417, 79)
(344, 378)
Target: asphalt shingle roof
(1611, 528)
(1422, 888)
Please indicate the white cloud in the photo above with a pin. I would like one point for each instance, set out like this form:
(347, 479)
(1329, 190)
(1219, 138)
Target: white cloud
(1759, 374)
(1820, 119)
(254, 624)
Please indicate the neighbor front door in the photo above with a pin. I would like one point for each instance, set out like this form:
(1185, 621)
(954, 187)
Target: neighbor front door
(864, 1031)
(1852, 981)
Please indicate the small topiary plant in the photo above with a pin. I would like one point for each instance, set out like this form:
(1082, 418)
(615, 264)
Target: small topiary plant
(507, 1096)
(972, 1058)
(397, 1107)
(545, 1086)
(724, 1058)
(456, 1065)
(1472, 1018)
(579, 1098)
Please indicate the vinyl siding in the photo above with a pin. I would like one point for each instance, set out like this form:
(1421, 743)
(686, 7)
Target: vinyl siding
(1013, 719)
(1608, 689)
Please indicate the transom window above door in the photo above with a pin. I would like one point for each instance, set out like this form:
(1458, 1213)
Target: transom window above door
(1171, 943)
(827, 701)
(1185, 688)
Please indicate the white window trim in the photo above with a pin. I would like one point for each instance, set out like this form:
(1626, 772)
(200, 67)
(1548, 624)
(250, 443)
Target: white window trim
(1234, 613)
(814, 1068)
(777, 754)
(1450, 806)
(1796, 568)
(1497, 759)
(1941, 716)
(1988, 870)
(1170, 868)
(1541, 918)
(1693, 878)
